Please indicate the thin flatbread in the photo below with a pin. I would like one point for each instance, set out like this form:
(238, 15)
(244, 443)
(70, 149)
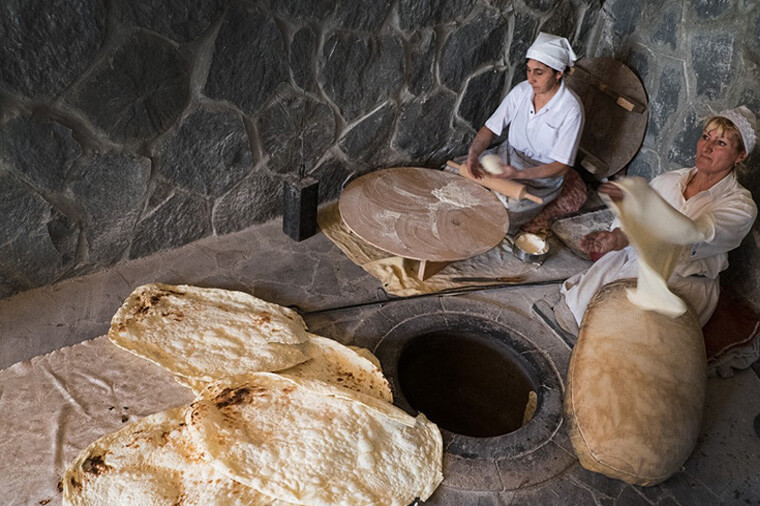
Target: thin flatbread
(658, 233)
(208, 333)
(308, 442)
(151, 462)
(331, 362)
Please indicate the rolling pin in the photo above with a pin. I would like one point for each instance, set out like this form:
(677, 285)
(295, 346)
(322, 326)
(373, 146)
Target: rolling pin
(507, 187)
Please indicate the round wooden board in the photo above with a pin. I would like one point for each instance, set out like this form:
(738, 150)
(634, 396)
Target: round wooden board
(423, 214)
(611, 133)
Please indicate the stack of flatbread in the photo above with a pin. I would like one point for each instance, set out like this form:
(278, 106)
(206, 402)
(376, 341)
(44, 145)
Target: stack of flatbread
(282, 416)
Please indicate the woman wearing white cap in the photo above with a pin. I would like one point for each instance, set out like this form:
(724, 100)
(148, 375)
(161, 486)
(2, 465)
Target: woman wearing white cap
(545, 120)
(708, 193)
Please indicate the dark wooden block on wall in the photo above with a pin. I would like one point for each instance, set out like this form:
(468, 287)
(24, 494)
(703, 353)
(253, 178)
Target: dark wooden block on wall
(299, 218)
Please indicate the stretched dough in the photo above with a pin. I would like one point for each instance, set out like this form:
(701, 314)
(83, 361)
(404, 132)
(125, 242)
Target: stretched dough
(659, 234)
(492, 164)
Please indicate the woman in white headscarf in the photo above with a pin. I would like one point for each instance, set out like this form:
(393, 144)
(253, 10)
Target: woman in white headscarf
(545, 120)
(709, 193)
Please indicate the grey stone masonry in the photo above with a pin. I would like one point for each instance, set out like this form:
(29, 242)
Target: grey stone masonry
(132, 126)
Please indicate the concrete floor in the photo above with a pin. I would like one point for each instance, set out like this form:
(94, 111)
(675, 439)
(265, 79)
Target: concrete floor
(339, 300)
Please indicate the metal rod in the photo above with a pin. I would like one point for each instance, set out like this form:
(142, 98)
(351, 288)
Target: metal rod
(444, 293)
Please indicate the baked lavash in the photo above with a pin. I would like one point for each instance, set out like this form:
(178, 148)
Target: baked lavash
(331, 362)
(152, 462)
(205, 334)
(309, 442)
(319, 431)
(208, 333)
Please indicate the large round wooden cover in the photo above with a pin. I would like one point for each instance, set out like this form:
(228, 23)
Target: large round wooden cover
(611, 135)
(423, 214)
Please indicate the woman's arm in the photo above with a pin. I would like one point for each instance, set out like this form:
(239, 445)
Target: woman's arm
(597, 244)
(479, 144)
(549, 170)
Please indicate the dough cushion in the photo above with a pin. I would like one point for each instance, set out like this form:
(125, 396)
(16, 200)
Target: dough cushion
(308, 442)
(151, 462)
(635, 388)
(658, 233)
(208, 333)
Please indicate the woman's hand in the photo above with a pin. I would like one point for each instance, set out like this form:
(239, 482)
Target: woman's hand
(597, 244)
(472, 167)
(613, 191)
(479, 144)
(508, 172)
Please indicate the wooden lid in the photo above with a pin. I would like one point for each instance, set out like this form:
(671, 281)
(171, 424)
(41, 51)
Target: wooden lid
(423, 214)
(616, 107)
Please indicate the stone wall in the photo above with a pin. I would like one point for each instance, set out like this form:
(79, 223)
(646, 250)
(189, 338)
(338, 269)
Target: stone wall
(695, 57)
(131, 126)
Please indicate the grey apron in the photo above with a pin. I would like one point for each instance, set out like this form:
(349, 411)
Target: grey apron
(548, 188)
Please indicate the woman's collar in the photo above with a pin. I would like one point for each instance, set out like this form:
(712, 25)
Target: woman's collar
(721, 186)
(556, 97)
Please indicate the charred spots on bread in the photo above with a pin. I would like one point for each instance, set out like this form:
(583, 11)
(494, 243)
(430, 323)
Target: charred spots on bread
(240, 395)
(263, 319)
(346, 376)
(94, 464)
(149, 299)
(174, 314)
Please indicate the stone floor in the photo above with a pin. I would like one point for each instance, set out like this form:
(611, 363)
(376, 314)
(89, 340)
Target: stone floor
(533, 465)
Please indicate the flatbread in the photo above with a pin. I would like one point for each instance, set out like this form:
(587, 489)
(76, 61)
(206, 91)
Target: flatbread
(331, 362)
(658, 233)
(335, 363)
(308, 442)
(151, 462)
(208, 333)
(364, 352)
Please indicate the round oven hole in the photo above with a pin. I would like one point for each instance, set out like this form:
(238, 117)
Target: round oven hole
(467, 383)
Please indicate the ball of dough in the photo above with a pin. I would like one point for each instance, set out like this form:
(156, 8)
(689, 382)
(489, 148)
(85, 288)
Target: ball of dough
(491, 164)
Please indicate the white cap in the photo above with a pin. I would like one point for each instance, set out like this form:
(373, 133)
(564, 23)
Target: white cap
(744, 121)
(553, 51)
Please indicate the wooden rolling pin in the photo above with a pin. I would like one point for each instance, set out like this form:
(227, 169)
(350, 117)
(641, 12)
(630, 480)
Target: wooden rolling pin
(507, 187)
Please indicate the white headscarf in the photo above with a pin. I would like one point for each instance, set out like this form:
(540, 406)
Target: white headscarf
(744, 121)
(553, 51)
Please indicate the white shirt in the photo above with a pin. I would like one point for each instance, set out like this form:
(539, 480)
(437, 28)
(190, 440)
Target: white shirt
(730, 209)
(551, 134)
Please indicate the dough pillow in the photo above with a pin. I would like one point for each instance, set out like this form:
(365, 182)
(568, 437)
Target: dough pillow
(658, 233)
(635, 388)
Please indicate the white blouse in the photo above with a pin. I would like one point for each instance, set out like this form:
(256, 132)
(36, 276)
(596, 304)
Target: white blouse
(550, 135)
(728, 206)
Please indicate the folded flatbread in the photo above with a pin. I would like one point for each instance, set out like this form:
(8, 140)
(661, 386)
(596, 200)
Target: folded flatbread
(151, 462)
(308, 442)
(208, 333)
(332, 362)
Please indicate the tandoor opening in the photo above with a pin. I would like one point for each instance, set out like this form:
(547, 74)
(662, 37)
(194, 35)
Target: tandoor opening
(467, 383)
